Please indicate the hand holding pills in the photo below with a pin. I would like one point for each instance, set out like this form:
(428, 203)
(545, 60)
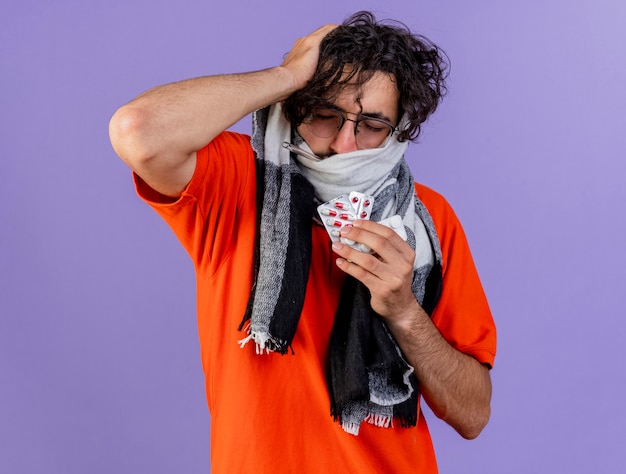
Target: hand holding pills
(375, 253)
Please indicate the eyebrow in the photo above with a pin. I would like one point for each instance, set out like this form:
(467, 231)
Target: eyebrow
(376, 115)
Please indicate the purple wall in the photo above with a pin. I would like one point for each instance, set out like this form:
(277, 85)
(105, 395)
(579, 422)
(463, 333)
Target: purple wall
(99, 362)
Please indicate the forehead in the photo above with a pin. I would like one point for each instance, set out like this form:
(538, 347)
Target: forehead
(378, 95)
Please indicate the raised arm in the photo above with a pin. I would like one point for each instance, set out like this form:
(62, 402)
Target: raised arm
(158, 133)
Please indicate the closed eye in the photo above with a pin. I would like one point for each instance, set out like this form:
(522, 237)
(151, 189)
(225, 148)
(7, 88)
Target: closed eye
(374, 126)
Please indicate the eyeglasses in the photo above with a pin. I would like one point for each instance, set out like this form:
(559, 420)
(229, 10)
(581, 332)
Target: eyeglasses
(369, 132)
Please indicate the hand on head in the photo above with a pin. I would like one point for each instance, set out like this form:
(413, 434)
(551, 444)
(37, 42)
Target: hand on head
(302, 60)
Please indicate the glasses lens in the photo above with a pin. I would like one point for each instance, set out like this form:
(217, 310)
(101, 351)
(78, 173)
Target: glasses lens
(324, 123)
(371, 132)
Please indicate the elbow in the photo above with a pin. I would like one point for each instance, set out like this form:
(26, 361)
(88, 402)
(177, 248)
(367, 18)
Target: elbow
(472, 428)
(467, 417)
(128, 129)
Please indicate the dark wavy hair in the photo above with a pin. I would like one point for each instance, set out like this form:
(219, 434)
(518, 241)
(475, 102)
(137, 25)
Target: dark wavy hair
(361, 46)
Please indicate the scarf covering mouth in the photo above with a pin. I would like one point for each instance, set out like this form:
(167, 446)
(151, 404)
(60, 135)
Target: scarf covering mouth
(367, 376)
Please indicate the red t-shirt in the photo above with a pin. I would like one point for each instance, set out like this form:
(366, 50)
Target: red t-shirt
(271, 413)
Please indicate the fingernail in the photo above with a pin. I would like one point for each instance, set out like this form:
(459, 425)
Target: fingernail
(337, 245)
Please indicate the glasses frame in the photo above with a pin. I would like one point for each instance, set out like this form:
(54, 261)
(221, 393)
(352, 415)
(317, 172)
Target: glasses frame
(359, 118)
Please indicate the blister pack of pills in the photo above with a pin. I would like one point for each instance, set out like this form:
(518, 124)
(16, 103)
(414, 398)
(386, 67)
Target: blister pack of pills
(345, 209)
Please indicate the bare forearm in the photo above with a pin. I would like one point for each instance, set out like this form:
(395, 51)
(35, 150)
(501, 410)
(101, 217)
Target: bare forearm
(177, 119)
(456, 386)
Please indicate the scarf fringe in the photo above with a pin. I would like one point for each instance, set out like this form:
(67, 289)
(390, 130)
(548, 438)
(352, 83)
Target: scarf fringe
(264, 342)
(376, 419)
(379, 421)
(351, 428)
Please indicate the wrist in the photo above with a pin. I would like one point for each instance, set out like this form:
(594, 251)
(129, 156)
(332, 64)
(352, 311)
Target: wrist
(407, 320)
(290, 80)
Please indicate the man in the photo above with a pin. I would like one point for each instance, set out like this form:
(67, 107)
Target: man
(366, 324)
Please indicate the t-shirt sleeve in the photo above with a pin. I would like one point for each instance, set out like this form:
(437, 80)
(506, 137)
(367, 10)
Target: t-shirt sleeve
(462, 314)
(204, 217)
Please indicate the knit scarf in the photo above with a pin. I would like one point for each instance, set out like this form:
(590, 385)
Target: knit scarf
(368, 378)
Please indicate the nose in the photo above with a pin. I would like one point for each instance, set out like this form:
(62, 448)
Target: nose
(345, 140)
